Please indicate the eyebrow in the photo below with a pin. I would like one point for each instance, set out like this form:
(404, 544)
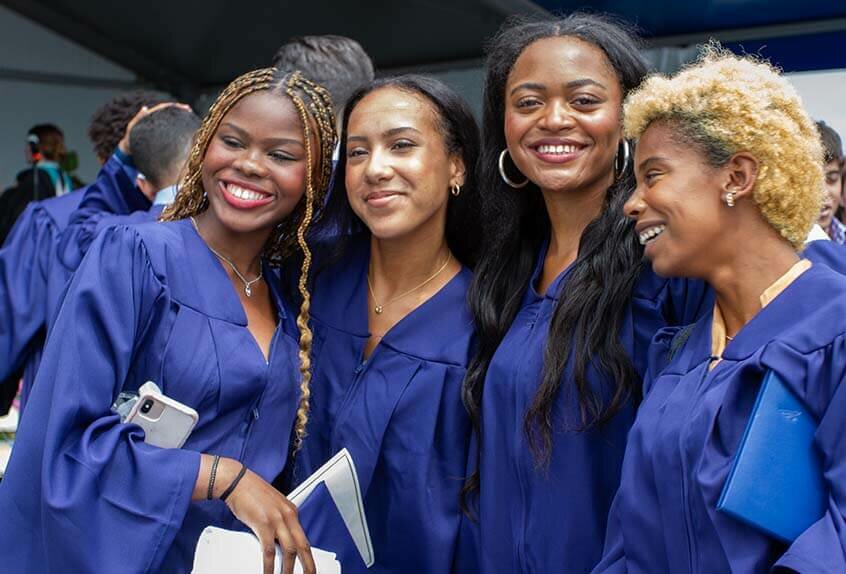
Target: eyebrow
(580, 83)
(651, 159)
(273, 141)
(387, 133)
(584, 82)
(527, 86)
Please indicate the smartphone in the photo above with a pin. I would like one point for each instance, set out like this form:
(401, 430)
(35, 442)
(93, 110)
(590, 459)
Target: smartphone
(167, 423)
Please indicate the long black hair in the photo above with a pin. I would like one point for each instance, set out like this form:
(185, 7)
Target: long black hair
(461, 136)
(585, 326)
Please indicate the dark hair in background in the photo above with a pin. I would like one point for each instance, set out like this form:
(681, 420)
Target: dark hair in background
(160, 143)
(108, 123)
(585, 326)
(43, 132)
(832, 145)
(461, 135)
(337, 63)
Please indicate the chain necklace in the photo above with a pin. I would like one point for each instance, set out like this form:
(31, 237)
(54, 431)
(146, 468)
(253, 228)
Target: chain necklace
(378, 308)
(248, 285)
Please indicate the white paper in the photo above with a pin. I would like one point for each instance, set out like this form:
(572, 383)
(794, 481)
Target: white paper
(341, 480)
(222, 551)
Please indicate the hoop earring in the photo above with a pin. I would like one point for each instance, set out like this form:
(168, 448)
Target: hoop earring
(455, 190)
(504, 176)
(729, 199)
(621, 166)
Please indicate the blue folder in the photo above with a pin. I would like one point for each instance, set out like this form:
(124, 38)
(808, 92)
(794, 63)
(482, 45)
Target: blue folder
(776, 482)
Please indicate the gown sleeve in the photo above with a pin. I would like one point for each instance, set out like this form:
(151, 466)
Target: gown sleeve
(112, 193)
(822, 547)
(613, 554)
(108, 498)
(24, 262)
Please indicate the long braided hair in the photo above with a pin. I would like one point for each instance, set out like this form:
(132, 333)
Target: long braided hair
(314, 107)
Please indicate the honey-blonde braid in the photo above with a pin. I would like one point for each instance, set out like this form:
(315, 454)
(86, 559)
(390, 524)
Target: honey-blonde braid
(303, 317)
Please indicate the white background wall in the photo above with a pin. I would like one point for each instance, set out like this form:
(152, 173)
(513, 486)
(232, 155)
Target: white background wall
(824, 96)
(26, 46)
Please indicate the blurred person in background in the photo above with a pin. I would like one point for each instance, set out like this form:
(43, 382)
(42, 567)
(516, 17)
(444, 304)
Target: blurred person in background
(338, 63)
(832, 184)
(156, 144)
(32, 277)
(45, 150)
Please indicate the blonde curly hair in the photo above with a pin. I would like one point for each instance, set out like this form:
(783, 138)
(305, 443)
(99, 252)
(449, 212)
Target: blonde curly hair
(724, 104)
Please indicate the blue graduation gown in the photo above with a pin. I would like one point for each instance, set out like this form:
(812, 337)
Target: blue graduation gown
(83, 492)
(688, 429)
(31, 282)
(553, 520)
(113, 194)
(33, 277)
(399, 413)
(828, 253)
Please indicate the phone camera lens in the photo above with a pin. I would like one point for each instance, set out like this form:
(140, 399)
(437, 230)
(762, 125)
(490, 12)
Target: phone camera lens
(146, 406)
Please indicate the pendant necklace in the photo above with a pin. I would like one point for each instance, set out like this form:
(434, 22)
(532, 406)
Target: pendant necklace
(379, 307)
(248, 285)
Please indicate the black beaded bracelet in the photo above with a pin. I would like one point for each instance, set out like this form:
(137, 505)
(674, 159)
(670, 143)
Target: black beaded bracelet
(215, 462)
(235, 482)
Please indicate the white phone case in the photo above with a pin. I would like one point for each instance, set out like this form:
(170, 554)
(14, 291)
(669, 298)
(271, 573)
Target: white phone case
(166, 422)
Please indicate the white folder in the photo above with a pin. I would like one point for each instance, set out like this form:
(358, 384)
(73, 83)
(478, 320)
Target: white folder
(221, 551)
(341, 480)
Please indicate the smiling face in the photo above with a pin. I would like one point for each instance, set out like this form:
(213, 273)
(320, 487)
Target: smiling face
(254, 170)
(398, 171)
(562, 115)
(677, 205)
(833, 188)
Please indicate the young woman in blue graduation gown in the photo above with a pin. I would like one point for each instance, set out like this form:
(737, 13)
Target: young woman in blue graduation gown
(392, 332)
(729, 171)
(191, 305)
(564, 306)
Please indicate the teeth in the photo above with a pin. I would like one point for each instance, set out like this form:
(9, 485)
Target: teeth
(556, 149)
(650, 233)
(241, 193)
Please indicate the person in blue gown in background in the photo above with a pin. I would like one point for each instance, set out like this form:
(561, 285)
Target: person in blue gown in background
(564, 305)
(159, 146)
(392, 332)
(32, 276)
(192, 305)
(729, 172)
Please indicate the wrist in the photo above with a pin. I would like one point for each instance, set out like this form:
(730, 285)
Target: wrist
(227, 471)
(124, 156)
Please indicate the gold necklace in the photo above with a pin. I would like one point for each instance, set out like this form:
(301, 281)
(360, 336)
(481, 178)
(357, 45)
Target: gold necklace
(380, 307)
(248, 285)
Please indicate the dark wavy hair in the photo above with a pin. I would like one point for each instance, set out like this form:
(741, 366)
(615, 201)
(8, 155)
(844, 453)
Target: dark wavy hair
(584, 330)
(461, 135)
(108, 123)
